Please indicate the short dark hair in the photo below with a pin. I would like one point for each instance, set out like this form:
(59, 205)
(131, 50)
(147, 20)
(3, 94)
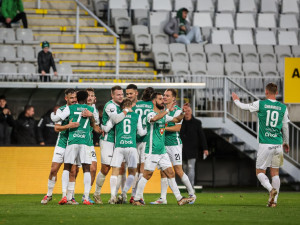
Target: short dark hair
(126, 102)
(82, 96)
(70, 91)
(155, 94)
(2, 97)
(147, 94)
(272, 88)
(114, 88)
(131, 86)
(27, 107)
(185, 10)
(173, 91)
(90, 89)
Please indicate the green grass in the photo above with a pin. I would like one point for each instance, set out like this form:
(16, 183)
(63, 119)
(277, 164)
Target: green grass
(210, 208)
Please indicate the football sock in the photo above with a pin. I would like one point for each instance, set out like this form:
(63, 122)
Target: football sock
(140, 188)
(135, 181)
(140, 176)
(51, 184)
(164, 187)
(174, 188)
(87, 184)
(71, 187)
(264, 180)
(128, 183)
(65, 181)
(276, 185)
(99, 183)
(123, 181)
(113, 185)
(185, 180)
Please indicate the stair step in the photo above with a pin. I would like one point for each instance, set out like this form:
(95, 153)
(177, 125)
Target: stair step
(250, 151)
(96, 64)
(111, 71)
(64, 29)
(94, 47)
(50, 4)
(93, 51)
(238, 143)
(34, 11)
(131, 80)
(71, 38)
(39, 20)
(226, 135)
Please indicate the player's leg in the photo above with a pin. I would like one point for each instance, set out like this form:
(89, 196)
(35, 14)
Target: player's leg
(140, 168)
(71, 185)
(163, 190)
(65, 181)
(85, 157)
(94, 165)
(121, 177)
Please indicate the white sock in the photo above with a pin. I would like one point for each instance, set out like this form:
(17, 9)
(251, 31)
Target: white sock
(185, 180)
(123, 182)
(71, 187)
(164, 188)
(134, 184)
(140, 176)
(140, 188)
(128, 183)
(65, 181)
(264, 180)
(276, 185)
(113, 185)
(174, 188)
(99, 183)
(119, 181)
(87, 184)
(51, 184)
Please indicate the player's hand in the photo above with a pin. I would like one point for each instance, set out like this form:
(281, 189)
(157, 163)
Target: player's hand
(73, 124)
(86, 113)
(235, 96)
(286, 148)
(6, 111)
(8, 20)
(205, 152)
(42, 143)
(172, 107)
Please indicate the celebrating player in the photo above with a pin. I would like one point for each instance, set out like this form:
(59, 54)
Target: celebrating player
(155, 152)
(174, 149)
(272, 117)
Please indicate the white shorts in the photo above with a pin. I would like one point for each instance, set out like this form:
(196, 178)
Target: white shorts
(269, 156)
(141, 152)
(58, 155)
(78, 154)
(94, 157)
(161, 161)
(175, 154)
(128, 154)
(107, 151)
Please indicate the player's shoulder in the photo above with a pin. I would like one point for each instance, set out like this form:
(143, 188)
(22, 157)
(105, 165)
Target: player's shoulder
(90, 108)
(62, 107)
(177, 108)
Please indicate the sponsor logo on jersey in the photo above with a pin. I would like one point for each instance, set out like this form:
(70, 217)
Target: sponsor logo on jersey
(112, 109)
(79, 135)
(268, 134)
(272, 107)
(161, 131)
(124, 142)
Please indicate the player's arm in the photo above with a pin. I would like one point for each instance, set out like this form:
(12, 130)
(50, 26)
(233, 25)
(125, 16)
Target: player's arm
(285, 132)
(60, 115)
(59, 128)
(175, 128)
(140, 130)
(163, 113)
(253, 107)
(109, 125)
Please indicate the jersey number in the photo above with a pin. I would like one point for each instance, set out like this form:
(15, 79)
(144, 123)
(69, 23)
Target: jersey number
(177, 157)
(126, 126)
(273, 116)
(79, 118)
(140, 112)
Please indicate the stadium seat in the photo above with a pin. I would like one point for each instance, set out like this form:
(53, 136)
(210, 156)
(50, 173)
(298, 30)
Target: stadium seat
(180, 69)
(8, 69)
(249, 53)
(224, 20)
(233, 69)
(8, 52)
(205, 6)
(266, 53)
(198, 68)
(160, 38)
(287, 38)
(117, 8)
(100, 7)
(162, 57)
(26, 53)
(7, 36)
(140, 9)
(214, 53)
(296, 50)
(247, 6)
(158, 20)
(122, 25)
(141, 38)
(162, 5)
(178, 4)
(232, 53)
(245, 20)
(178, 52)
(282, 52)
(268, 69)
(64, 69)
(220, 37)
(290, 6)
(280, 68)
(288, 21)
(202, 20)
(25, 36)
(26, 68)
(197, 57)
(243, 37)
(265, 37)
(269, 6)
(193, 47)
(266, 20)
(215, 68)
(252, 70)
(226, 6)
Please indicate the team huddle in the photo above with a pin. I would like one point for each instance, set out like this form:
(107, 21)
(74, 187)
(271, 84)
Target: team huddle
(136, 136)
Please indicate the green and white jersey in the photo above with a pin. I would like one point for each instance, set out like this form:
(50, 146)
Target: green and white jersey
(126, 130)
(62, 139)
(97, 121)
(82, 134)
(173, 138)
(142, 108)
(155, 138)
(110, 108)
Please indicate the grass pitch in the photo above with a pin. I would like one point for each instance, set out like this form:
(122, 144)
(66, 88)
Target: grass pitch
(210, 208)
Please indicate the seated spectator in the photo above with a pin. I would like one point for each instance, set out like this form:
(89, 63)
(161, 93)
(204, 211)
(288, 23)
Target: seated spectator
(45, 129)
(180, 30)
(6, 121)
(25, 128)
(45, 61)
(12, 11)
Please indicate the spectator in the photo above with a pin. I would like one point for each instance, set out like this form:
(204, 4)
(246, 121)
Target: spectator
(25, 127)
(12, 11)
(180, 30)
(193, 141)
(46, 134)
(6, 121)
(45, 61)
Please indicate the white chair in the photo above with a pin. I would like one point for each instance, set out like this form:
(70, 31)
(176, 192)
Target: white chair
(265, 37)
(269, 6)
(214, 53)
(158, 20)
(247, 6)
(232, 53)
(64, 69)
(268, 69)
(202, 20)
(198, 68)
(266, 20)
(140, 9)
(296, 50)
(282, 52)
(8, 70)
(287, 38)
(160, 38)
(253, 75)
(215, 68)
(162, 5)
(26, 68)
(288, 21)
(26, 53)
(221, 37)
(226, 6)
(7, 36)
(162, 57)
(194, 47)
(245, 20)
(25, 36)
(233, 69)
(249, 53)
(205, 6)
(243, 37)
(290, 6)
(101, 7)
(266, 53)
(224, 20)
(188, 4)
(8, 52)
(180, 69)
